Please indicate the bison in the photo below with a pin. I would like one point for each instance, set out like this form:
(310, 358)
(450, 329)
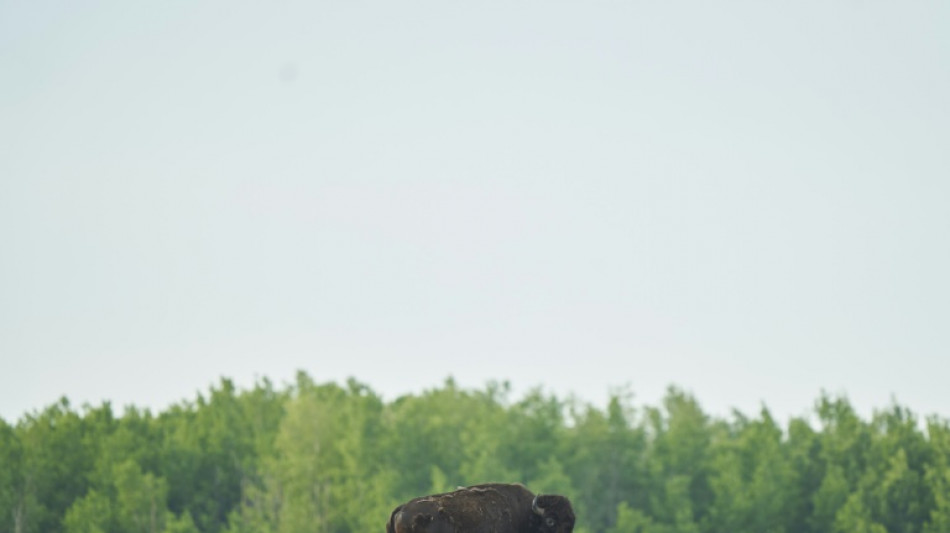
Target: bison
(488, 508)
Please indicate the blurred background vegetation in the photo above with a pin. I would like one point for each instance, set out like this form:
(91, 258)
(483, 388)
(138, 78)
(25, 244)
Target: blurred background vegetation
(332, 457)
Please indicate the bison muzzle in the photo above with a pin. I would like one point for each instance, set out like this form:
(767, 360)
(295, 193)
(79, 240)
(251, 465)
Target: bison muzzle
(488, 508)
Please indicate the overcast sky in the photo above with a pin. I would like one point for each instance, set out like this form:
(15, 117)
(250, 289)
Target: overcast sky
(750, 200)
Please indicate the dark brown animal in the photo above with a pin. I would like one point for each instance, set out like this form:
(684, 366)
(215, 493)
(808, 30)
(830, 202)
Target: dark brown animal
(488, 508)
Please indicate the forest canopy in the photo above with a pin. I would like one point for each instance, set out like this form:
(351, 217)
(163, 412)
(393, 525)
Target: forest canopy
(330, 457)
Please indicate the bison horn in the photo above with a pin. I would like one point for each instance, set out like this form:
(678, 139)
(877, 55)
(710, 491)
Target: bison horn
(535, 508)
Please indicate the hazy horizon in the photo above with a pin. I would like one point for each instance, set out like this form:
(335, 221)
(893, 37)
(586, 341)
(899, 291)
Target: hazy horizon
(509, 393)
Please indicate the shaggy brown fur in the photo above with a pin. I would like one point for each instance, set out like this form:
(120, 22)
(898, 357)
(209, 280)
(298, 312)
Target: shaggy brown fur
(488, 508)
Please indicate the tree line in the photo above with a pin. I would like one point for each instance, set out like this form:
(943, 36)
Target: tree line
(336, 458)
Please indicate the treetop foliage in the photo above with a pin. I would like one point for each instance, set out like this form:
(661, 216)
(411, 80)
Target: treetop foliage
(328, 457)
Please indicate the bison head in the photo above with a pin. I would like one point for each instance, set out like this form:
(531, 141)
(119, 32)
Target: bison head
(553, 513)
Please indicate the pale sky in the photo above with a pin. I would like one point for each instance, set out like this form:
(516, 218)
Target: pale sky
(745, 199)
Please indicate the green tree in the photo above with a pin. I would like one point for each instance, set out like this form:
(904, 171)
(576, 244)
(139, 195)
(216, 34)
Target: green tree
(803, 451)
(855, 517)
(607, 459)
(900, 499)
(180, 524)
(830, 497)
(527, 434)
(140, 499)
(937, 476)
(11, 473)
(635, 521)
(752, 480)
(553, 479)
(52, 469)
(209, 449)
(93, 513)
(425, 431)
(845, 440)
(324, 474)
(489, 441)
(678, 462)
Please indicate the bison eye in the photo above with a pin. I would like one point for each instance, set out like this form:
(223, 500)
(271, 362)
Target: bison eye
(549, 522)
